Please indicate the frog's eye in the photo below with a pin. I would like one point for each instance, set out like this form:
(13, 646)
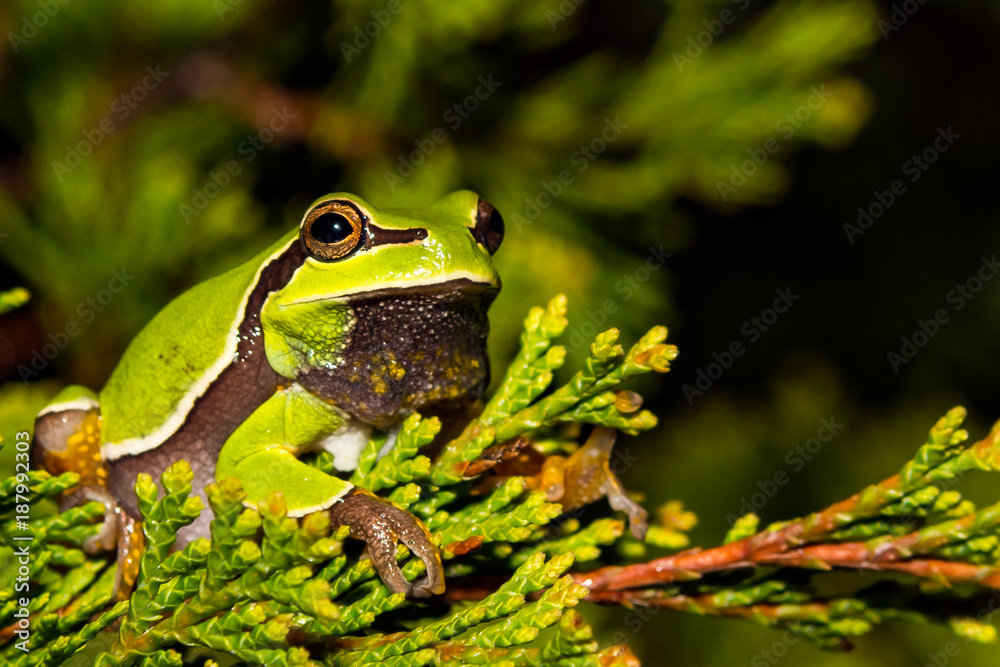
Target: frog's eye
(489, 226)
(332, 231)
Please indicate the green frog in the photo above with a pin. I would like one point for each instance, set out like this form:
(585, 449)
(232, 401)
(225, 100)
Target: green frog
(344, 326)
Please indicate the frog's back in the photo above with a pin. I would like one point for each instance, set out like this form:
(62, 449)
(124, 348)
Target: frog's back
(174, 359)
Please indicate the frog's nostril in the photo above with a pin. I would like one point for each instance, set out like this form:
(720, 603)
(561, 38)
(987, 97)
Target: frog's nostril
(489, 226)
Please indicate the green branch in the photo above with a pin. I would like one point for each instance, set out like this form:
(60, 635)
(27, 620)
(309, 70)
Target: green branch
(269, 589)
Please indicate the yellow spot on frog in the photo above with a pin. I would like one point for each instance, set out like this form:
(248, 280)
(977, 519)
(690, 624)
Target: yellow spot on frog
(83, 453)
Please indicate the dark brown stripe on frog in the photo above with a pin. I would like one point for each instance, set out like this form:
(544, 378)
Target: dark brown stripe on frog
(376, 236)
(242, 386)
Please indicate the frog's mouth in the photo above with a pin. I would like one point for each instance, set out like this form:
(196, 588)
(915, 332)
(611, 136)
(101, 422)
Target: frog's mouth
(410, 348)
(456, 287)
(461, 284)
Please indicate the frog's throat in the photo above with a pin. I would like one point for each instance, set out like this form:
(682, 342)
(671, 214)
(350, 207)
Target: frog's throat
(409, 349)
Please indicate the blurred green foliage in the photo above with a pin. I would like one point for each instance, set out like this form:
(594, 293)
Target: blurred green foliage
(126, 117)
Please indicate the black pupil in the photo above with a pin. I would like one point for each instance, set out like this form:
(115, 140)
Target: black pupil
(331, 228)
(496, 222)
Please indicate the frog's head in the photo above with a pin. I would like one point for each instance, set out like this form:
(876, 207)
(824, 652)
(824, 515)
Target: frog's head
(387, 312)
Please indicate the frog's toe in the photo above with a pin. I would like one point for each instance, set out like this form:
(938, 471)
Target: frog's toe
(107, 537)
(432, 584)
(414, 535)
(382, 552)
(381, 524)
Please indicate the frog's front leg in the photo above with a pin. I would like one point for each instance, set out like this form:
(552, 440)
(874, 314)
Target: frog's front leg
(263, 454)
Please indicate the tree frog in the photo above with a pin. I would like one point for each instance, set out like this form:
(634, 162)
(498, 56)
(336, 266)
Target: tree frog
(347, 324)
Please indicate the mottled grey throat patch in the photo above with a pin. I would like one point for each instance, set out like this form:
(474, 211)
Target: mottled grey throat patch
(408, 350)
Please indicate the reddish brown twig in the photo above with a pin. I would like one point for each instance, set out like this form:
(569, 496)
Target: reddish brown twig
(695, 563)
(799, 544)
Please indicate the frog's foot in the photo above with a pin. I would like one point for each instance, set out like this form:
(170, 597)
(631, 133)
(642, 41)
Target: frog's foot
(618, 499)
(381, 524)
(107, 537)
(119, 532)
(586, 476)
